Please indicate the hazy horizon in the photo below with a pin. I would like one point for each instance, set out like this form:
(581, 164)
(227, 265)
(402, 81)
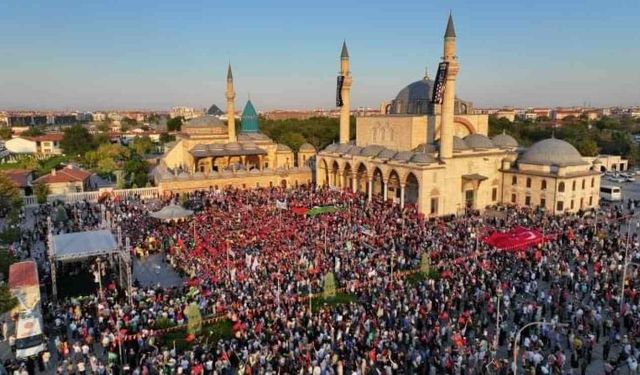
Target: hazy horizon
(156, 55)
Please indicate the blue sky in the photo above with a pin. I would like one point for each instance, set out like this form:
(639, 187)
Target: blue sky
(157, 54)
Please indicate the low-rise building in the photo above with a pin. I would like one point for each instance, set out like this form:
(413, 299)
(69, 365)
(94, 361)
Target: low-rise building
(69, 179)
(22, 178)
(41, 146)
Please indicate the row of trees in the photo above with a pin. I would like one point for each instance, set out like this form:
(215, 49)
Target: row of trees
(319, 131)
(604, 136)
(105, 158)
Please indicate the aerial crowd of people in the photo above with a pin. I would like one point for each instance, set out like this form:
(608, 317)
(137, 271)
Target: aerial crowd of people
(259, 265)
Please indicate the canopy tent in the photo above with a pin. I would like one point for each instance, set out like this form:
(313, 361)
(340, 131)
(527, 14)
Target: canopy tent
(171, 212)
(80, 245)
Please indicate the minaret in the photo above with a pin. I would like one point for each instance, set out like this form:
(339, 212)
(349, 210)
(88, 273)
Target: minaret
(446, 120)
(231, 110)
(345, 94)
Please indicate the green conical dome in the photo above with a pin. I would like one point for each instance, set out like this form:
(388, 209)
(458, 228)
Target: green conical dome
(249, 120)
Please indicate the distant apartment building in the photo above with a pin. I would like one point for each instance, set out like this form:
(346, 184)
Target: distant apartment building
(99, 116)
(27, 120)
(4, 120)
(185, 112)
(84, 116)
(507, 113)
(560, 114)
(535, 114)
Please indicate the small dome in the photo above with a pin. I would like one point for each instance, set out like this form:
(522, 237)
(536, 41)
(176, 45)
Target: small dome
(504, 140)
(354, 150)
(478, 141)
(233, 146)
(343, 148)
(552, 152)
(282, 148)
(404, 156)
(331, 148)
(459, 144)
(386, 154)
(215, 146)
(422, 158)
(372, 150)
(307, 147)
(249, 146)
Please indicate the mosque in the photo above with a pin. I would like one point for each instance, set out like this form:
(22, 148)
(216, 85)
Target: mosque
(211, 154)
(433, 151)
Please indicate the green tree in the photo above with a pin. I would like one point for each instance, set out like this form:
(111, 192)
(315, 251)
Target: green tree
(143, 145)
(175, 124)
(77, 141)
(587, 147)
(6, 260)
(10, 198)
(41, 191)
(107, 158)
(33, 131)
(329, 289)
(135, 170)
(293, 140)
(104, 126)
(166, 138)
(5, 132)
(7, 300)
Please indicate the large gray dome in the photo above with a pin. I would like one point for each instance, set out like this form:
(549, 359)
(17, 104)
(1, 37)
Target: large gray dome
(552, 152)
(504, 140)
(414, 98)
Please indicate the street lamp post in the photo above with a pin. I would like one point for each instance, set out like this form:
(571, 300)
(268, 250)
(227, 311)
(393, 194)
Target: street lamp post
(497, 338)
(517, 341)
(625, 262)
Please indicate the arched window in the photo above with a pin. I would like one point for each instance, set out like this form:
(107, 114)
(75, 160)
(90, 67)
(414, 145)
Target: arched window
(573, 186)
(561, 187)
(543, 185)
(514, 180)
(528, 182)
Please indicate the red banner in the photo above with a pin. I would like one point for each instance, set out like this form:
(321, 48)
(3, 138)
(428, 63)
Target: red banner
(517, 239)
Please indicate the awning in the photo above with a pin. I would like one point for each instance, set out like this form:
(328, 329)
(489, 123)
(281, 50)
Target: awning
(172, 212)
(80, 245)
(474, 177)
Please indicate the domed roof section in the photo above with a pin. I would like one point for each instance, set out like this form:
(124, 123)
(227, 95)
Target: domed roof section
(415, 98)
(249, 146)
(249, 121)
(552, 151)
(425, 147)
(343, 148)
(282, 148)
(459, 144)
(422, 158)
(504, 140)
(478, 141)
(233, 146)
(403, 156)
(214, 110)
(206, 121)
(331, 148)
(386, 154)
(307, 147)
(372, 150)
(354, 150)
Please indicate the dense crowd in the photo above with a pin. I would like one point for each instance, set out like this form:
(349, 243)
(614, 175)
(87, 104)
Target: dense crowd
(248, 261)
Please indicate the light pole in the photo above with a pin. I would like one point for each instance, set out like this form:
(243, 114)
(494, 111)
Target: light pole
(497, 338)
(625, 263)
(517, 341)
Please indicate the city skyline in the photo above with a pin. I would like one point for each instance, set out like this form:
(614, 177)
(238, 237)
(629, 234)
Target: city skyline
(165, 55)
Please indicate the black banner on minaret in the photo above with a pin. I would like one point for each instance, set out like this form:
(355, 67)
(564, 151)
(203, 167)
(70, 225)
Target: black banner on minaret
(438, 86)
(339, 101)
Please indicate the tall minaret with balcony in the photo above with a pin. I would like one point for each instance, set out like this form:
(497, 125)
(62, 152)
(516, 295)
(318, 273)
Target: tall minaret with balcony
(448, 101)
(345, 93)
(231, 110)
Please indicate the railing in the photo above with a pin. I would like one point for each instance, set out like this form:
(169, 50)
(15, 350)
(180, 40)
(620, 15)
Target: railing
(92, 196)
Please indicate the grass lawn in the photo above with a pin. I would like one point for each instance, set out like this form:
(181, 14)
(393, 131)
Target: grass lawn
(211, 332)
(339, 299)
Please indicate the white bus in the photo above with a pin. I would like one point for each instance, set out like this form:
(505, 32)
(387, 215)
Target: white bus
(25, 286)
(610, 193)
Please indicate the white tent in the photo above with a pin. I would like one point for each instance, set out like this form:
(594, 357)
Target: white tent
(172, 212)
(79, 245)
